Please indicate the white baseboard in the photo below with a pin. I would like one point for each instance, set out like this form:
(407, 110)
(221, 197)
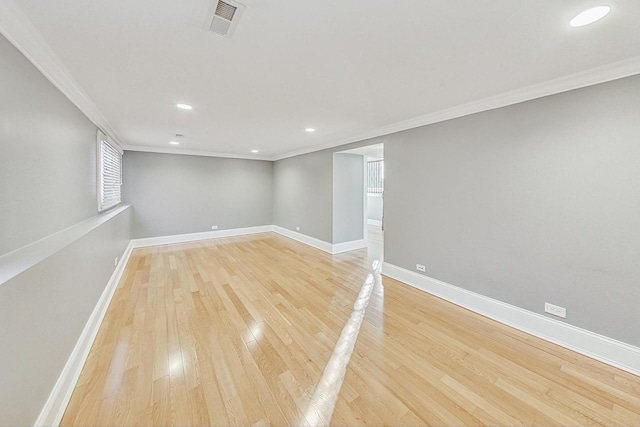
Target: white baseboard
(181, 238)
(303, 238)
(56, 404)
(352, 245)
(333, 249)
(374, 222)
(599, 347)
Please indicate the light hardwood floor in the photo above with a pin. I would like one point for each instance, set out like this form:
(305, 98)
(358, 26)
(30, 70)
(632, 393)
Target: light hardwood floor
(237, 331)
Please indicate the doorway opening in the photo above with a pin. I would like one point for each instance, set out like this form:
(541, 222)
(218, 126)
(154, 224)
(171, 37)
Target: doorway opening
(373, 203)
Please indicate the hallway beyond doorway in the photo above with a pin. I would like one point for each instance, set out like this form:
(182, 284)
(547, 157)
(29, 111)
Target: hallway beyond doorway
(375, 247)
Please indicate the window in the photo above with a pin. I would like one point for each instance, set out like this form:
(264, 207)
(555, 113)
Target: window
(109, 173)
(375, 177)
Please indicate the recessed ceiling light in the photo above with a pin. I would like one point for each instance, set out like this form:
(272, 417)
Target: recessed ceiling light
(184, 106)
(309, 130)
(254, 151)
(590, 16)
(174, 143)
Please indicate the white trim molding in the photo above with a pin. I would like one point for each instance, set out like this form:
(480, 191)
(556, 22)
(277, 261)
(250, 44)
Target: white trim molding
(58, 399)
(19, 30)
(191, 237)
(330, 248)
(604, 349)
(351, 245)
(605, 73)
(22, 259)
(602, 74)
(599, 347)
(303, 238)
(374, 222)
(185, 152)
(56, 404)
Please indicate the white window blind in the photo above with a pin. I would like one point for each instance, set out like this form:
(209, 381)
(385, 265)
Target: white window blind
(109, 173)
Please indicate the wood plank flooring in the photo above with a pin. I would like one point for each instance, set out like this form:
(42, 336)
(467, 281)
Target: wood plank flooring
(237, 331)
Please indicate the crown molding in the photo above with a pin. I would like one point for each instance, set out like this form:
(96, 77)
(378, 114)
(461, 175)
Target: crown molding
(203, 153)
(18, 29)
(613, 71)
(602, 74)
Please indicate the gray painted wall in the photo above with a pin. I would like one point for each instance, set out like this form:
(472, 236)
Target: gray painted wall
(43, 312)
(374, 207)
(348, 197)
(537, 202)
(47, 184)
(303, 194)
(176, 194)
(47, 155)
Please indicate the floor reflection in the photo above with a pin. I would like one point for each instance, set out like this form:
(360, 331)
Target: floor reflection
(322, 404)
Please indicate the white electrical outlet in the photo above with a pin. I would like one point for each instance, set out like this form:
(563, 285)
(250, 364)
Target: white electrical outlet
(297, 228)
(555, 310)
(420, 267)
(116, 261)
(214, 227)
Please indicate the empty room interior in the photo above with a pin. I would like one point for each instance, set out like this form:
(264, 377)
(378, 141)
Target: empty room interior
(319, 213)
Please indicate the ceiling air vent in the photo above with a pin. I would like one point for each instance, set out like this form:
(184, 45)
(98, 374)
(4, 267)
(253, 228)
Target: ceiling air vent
(223, 17)
(225, 10)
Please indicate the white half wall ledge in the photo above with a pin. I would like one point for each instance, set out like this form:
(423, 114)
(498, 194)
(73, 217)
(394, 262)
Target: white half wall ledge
(374, 222)
(23, 258)
(607, 350)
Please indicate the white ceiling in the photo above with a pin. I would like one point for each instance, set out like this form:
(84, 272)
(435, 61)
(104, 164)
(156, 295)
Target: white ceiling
(350, 68)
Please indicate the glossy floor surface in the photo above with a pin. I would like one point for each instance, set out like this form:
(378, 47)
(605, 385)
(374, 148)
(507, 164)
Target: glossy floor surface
(238, 331)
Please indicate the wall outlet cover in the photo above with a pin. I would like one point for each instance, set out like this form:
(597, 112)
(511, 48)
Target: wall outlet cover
(555, 310)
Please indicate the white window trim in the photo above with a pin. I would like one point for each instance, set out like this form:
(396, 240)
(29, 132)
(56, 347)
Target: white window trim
(104, 205)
